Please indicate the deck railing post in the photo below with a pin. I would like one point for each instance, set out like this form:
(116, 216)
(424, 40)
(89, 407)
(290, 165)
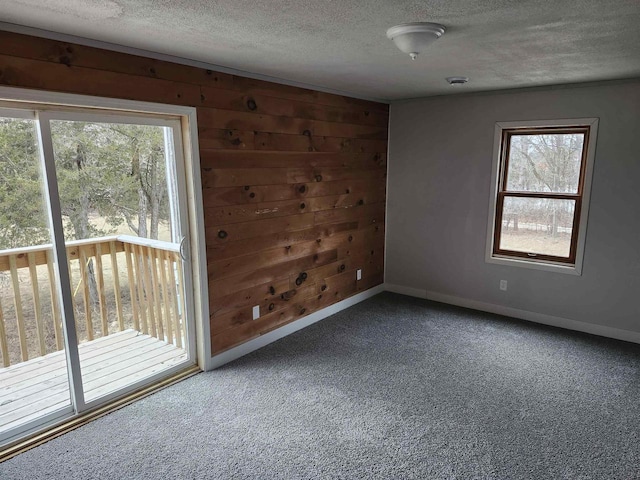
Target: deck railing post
(116, 284)
(86, 295)
(142, 299)
(165, 294)
(17, 302)
(37, 308)
(55, 307)
(135, 302)
(104, 320)
(3, 341)
(157, 302)
(180, 293)
(155, 281)
(171, 258)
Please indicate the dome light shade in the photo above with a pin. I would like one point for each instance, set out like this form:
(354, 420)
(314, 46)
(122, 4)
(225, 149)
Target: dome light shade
(413, 38)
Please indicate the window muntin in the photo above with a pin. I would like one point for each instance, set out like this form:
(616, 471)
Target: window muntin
(540, 193)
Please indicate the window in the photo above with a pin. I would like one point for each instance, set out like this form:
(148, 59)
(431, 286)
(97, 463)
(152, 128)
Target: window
(101, 246)
(542, 174)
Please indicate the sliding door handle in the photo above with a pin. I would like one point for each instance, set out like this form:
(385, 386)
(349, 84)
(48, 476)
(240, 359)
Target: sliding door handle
(181, 249)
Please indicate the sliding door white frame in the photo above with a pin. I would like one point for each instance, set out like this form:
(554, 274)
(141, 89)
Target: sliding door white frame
(181, 225)
(61, 263)
(191, 152)
(183, 126)
(67, 410)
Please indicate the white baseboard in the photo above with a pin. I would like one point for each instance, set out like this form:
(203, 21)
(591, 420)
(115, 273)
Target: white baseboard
(266, 339)
(551, 320)
(270, 337)
(409, 291)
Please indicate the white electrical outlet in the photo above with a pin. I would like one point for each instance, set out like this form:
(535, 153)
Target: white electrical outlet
(256, 312)
(503, 285)
(359, 274)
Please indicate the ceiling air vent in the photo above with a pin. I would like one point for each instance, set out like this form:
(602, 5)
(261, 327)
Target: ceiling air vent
(457, 80)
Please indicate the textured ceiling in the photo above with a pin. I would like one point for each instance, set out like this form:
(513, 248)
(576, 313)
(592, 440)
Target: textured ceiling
(341, 44)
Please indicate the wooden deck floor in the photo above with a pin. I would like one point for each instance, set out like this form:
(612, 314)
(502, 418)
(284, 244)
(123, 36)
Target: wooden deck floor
(37, 387)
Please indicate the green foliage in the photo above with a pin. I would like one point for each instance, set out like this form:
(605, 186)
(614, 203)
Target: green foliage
(22, 213)
(114, 172)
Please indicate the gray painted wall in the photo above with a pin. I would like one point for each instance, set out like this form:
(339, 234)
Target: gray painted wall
(438, 198)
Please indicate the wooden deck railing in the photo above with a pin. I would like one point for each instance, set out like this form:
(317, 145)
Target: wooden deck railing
(117, 283)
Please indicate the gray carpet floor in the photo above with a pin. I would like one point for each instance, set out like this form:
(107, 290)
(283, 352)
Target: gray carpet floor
(394, 387)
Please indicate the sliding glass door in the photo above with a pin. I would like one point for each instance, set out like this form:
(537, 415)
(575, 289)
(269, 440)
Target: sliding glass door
(111, 255)
(31, 390)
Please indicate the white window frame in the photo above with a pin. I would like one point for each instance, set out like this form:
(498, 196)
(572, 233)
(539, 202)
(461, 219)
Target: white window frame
(490, 257)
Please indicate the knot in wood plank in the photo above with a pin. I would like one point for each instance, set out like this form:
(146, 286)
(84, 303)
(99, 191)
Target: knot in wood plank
(252, 105)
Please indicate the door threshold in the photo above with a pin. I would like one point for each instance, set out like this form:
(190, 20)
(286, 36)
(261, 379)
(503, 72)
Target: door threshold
(42, 436)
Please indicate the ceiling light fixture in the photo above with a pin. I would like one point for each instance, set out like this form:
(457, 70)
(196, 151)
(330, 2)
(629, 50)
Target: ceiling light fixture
(412, 38)
(453, 81)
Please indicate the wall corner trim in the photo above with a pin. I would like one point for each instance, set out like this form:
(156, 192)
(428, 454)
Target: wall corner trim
(568, 324)
(270, 337)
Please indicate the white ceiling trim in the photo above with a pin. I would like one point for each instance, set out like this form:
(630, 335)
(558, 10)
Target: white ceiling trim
(88, 42)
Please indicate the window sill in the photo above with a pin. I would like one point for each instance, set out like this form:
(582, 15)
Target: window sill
(535, 264)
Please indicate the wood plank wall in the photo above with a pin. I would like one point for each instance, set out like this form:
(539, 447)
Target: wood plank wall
(293, 179)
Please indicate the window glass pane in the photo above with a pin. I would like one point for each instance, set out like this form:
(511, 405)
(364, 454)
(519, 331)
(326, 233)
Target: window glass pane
(545, 162)
(537, 225)
(112, 179)
(33, 371)
(116, 181)
(23, 217)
